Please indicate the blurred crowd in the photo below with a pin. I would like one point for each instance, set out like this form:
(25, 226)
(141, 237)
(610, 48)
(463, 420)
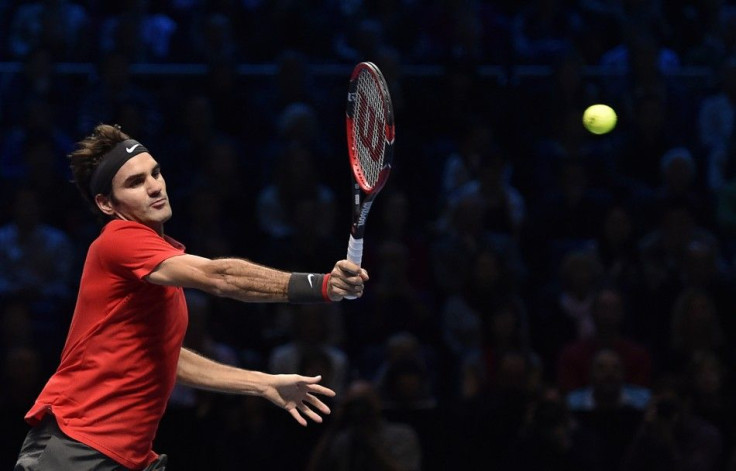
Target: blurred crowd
(540, 297)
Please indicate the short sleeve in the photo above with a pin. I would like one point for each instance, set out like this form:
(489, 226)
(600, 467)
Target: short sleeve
(132, 250)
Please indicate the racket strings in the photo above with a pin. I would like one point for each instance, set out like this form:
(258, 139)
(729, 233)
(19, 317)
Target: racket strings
(369, 127)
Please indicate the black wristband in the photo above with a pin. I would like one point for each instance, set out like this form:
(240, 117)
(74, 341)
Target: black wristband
(307, 288)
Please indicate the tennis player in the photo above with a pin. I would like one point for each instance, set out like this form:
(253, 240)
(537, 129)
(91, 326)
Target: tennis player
(123, 353)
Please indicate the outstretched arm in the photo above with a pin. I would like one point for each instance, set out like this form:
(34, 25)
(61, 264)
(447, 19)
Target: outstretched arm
(247, 281)
(294, 393)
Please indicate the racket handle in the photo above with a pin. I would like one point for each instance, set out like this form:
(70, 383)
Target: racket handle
(355, 254)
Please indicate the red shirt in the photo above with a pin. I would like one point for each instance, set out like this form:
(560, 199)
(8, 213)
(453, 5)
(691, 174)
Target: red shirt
(118, 366)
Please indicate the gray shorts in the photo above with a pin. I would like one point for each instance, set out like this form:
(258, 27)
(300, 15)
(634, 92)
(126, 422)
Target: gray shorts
(46, 447)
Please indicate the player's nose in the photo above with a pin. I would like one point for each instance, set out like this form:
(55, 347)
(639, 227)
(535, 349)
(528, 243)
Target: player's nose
(155, 186)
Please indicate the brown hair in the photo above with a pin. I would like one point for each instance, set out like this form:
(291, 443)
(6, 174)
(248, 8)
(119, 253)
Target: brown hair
(86, 157)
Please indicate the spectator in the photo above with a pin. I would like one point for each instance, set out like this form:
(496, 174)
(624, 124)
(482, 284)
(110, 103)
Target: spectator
(397, 304)
(36, 263)
(474, 142)
(213, 38)
(15, 330)
(37, 82)
(543, 29)
(489, 420)
(725, 212)
(695, 328)
(313, 333)
(195, 132)
(607, 391)
(296, 198)
(506, 330)
(140, 34)
(456, 246)
(616, 248)
(641, 146)
(550, 440)
(398, 222)
(716, 120)
(222, 173)
(568, 91)
(707, 392)
(704, 269)
(296, 125)
(679, 179)
(294, 84)
(364, 39)
(504, 211)
(295, 178)
(61, 26)
(245, 426)
(641, 60)
(38, 126)
(662, 252)
(609, 410)
(189, 411)
(464, 314)
(232, 107)
(362, 438)
(699, 32)
(408, 396)
(672, 438)
(564, 314)
(570, 213)
(306, 26)
(22, 376)
(609, 314)
(111, 86)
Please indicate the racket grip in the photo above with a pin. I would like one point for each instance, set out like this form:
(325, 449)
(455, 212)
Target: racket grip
(355, 250)
(355, 253)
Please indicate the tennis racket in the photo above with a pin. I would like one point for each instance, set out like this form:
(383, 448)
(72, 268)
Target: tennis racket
(369, 120)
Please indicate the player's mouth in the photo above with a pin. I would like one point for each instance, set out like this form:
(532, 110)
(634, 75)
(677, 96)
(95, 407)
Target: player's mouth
(160, 203)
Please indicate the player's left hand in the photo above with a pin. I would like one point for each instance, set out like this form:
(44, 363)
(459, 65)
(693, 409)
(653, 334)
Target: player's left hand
(296, 394)
(346, 279)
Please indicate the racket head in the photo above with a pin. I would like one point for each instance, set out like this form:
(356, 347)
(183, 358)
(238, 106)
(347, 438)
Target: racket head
(369, 120)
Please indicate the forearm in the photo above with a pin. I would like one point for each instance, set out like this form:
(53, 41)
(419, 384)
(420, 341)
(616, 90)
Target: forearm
(199, 372)
(247, 281)
(294, 393)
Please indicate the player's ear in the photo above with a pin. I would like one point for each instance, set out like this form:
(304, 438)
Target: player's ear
(103, 202)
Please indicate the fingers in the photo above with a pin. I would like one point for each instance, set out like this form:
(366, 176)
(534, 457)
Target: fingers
(295, 413)
(346, 279)
(312, 385)
(310, 413)
(340, 290)
(351, 270)
(318, 404)
(301, 409)
(319, 389)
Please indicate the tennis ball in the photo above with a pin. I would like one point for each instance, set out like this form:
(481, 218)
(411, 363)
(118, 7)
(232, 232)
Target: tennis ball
(599, 119)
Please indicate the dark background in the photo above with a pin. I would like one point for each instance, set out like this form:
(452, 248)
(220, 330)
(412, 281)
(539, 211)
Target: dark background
(509, 249)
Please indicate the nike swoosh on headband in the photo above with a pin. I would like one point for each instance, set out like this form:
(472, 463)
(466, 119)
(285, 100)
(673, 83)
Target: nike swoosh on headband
(101, 179)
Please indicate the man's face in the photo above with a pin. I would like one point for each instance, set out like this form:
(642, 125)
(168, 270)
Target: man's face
(139, 193)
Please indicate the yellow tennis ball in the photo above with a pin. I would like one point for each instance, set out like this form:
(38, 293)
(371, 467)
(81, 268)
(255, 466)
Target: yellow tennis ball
(599, 119)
